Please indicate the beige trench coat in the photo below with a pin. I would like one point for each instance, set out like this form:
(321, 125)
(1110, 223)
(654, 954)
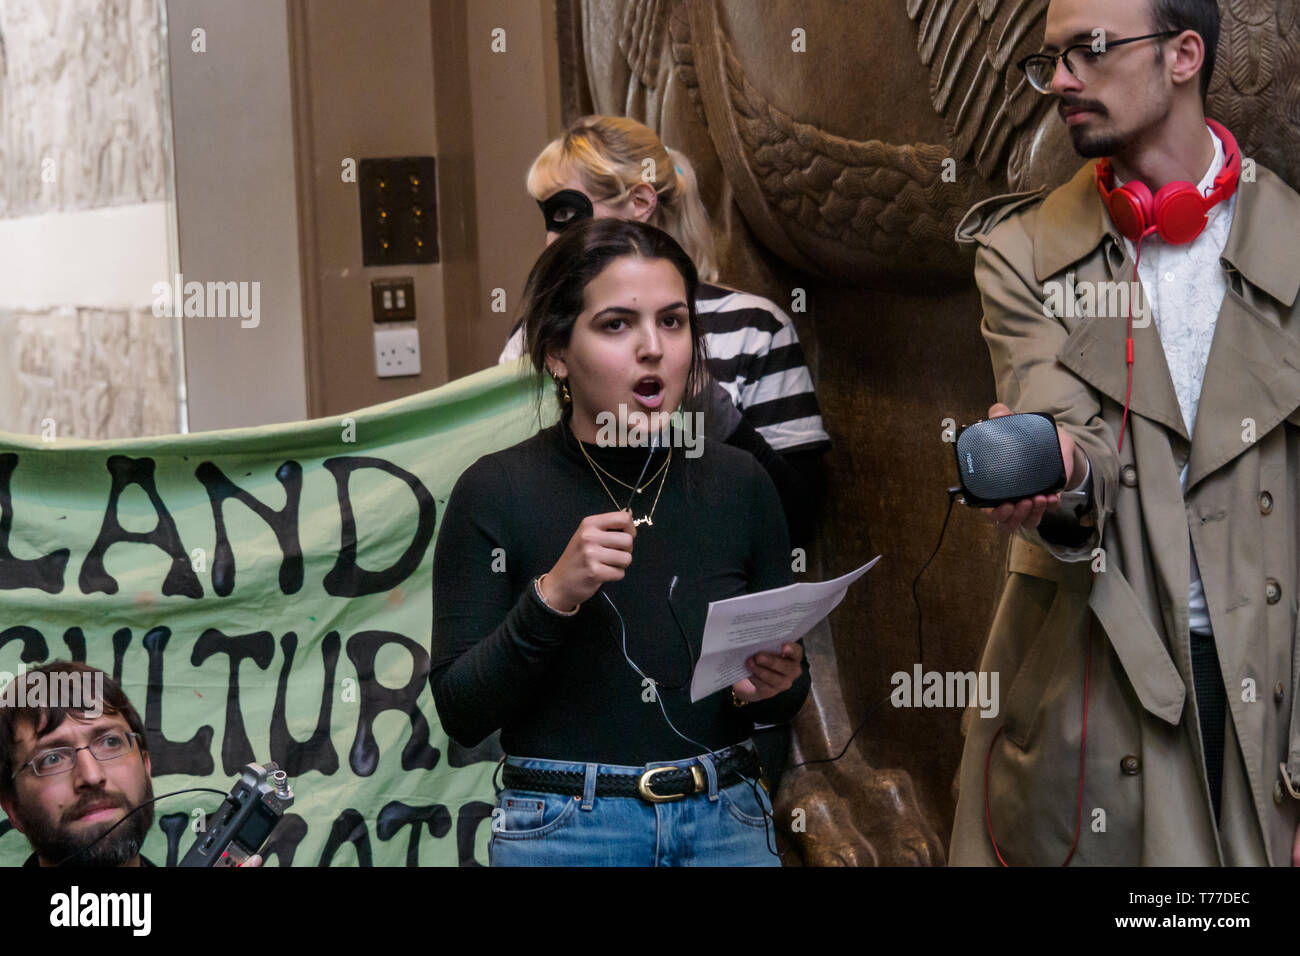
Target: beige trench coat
(1145, 795)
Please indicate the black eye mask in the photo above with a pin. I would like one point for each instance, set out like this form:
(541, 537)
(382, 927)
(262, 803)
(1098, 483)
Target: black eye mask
(564, 209)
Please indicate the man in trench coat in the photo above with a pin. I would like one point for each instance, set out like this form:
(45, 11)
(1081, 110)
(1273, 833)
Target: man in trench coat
(1111, 611)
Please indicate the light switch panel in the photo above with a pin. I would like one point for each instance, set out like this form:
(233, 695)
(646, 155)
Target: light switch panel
(393, 299)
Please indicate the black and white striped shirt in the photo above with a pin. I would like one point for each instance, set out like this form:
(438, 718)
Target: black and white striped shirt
(753, 352)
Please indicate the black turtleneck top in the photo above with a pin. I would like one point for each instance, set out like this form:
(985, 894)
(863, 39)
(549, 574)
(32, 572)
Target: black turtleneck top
(559, 687)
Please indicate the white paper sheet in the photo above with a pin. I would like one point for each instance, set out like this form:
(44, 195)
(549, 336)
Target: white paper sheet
(740, 627)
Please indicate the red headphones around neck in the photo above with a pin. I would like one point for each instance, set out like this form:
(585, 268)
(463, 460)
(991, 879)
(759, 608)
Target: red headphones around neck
(1178, 212)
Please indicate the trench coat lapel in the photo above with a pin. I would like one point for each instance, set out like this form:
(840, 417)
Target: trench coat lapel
(1253, 371)
(1077, 234)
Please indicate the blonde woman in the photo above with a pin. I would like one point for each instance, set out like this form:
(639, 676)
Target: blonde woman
(614, 167)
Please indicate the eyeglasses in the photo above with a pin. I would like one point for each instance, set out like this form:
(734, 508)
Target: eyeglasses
(1040, 68)
(49, 763)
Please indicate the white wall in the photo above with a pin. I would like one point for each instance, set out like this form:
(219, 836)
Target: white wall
(236, 209)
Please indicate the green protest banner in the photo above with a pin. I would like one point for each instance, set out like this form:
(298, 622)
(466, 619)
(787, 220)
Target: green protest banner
(266, 594)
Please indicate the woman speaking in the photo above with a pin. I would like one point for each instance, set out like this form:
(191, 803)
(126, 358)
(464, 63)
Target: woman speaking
(580, 649)
(763, 398)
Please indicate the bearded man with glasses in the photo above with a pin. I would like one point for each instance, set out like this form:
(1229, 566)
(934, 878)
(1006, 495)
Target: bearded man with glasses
(1146, 632)
(67, 776)
(72, 769)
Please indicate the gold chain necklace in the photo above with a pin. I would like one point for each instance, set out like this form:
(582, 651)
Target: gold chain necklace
(634, 488)
(648, 519)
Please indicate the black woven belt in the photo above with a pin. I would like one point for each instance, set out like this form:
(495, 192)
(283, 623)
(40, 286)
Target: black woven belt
(656, 785)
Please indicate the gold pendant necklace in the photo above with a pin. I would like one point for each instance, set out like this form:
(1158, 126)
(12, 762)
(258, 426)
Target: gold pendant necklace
(648, 518)
(632, 488)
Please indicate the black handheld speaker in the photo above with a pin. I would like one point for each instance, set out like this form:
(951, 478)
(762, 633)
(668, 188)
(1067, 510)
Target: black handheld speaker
(1009, 458)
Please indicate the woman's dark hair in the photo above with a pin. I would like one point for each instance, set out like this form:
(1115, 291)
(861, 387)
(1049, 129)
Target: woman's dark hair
(553, 295)
(1200, 16)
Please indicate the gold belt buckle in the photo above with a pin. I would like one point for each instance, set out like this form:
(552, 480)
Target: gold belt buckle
(643, 784)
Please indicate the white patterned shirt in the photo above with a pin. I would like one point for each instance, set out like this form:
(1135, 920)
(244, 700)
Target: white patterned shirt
(1185, 286)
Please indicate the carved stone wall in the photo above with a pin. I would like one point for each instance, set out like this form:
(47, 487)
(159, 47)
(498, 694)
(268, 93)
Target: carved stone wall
(81, 128)
(93, 373)
(81, 86)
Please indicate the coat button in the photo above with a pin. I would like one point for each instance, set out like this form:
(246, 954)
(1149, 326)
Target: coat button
(1272, 591)
(1277, 792)
(1130, 765)
(1265, 503)
(1129, 476)
(1279, 691)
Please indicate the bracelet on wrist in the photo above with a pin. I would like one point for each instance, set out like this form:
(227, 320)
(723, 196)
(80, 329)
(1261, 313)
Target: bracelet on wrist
(537, 586)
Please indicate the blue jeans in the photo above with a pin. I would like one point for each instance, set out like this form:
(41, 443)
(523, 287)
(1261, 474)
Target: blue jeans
(721, 827)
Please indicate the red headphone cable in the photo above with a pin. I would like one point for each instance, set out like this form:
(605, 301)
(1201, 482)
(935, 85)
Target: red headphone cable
(1128, 344)
(1087, 673)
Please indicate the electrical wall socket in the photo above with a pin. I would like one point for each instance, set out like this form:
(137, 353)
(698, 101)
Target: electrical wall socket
(397, 352)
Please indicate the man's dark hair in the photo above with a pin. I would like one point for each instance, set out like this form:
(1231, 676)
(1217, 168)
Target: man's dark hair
(1202, 16)
(48, 719)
